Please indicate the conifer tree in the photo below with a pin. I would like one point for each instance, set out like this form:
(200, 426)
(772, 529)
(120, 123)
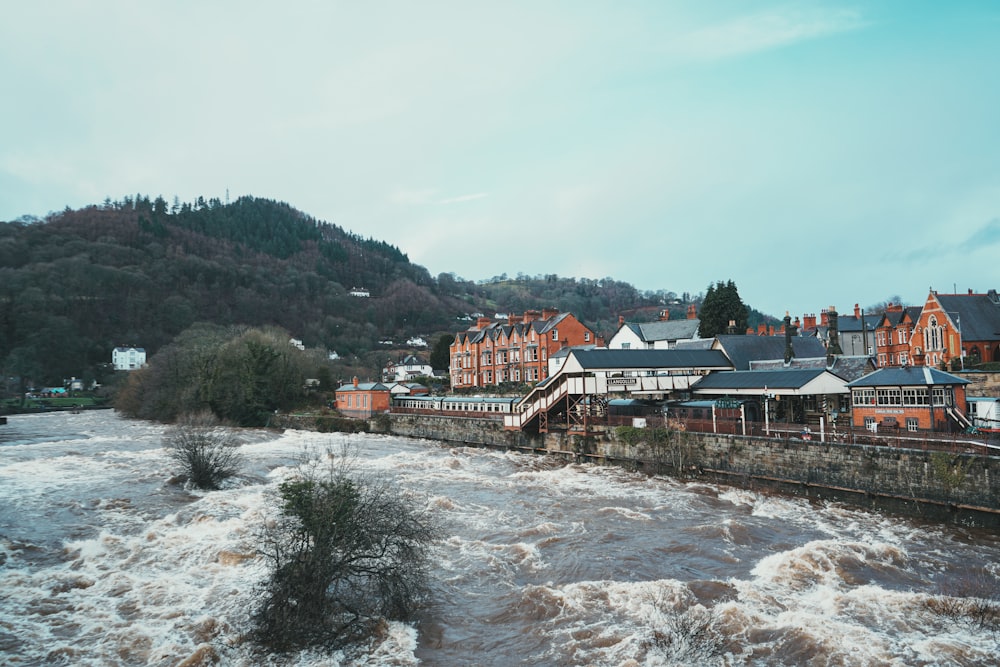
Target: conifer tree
(721, 306)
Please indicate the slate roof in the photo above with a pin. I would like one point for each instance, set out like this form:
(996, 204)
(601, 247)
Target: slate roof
(979, 315)
(363, 386)
(907, 376)
(651, 332)
(783, 379)
(852, 324)
(741, 350)
(607, 359)
(847, 368)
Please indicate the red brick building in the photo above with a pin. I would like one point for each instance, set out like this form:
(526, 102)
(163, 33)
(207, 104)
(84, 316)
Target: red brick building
(893, 333)
(955, 328)
(513, 350)
(362, 399)
(914, 398)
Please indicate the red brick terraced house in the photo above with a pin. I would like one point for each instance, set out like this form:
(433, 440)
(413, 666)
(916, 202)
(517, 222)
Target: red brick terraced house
(956, 329)
(515, 350)
(915, 398)
(893, 333)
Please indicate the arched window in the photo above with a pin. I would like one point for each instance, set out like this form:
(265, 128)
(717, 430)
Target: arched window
(932, 335)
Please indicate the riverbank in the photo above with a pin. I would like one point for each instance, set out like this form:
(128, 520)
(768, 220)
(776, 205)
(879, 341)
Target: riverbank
(951, 487)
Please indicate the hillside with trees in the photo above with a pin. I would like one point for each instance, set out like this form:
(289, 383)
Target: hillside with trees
(140, 271)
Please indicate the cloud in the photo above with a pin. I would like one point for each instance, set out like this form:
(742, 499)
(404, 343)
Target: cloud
(987, 235)
(464, 198)
(763, 32)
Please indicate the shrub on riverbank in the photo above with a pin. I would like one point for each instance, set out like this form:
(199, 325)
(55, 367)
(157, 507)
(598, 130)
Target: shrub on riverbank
(344, 554)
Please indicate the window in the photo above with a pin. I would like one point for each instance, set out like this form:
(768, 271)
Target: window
(887, 397)
(912, 424)
(626, 346)
(932, 335)
(903, 358)
(881, 359)
(940, 396)
(914, 397)
(880, 338)
(901, 336)
(864, 397)
(586, 336)
(555, 334)
(870, 423)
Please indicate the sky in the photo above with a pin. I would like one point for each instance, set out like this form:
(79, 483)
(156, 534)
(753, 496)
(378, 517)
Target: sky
(817, 154)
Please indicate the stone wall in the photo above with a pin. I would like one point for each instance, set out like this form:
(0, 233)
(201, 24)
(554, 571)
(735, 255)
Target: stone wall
(984, 383)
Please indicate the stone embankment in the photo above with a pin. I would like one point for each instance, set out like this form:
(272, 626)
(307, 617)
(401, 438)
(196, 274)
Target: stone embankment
(962, 488)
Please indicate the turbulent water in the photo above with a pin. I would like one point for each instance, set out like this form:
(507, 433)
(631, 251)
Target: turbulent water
(104, 560)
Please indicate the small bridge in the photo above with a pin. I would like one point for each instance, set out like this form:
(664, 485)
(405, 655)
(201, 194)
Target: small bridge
(576, 397)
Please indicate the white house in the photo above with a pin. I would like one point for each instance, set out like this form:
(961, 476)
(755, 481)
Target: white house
(663, 334)
(128, 358)
(361, 292)
(406, 369)
(416, 341)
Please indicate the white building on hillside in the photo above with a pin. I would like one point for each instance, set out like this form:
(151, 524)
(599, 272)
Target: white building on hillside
(128, 358)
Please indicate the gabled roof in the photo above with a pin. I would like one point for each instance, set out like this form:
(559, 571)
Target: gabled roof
(651, 332)
(907, 376)
(852, 324)
(979, 315)
(741, 350)
(604, 359)
(802, 380)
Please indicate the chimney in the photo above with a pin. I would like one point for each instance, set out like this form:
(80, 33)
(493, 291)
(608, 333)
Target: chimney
(549, 313)
(809, 322)
(824, 317)
(483, 322)
(731, 329)
(970, 291)
(355, 381)
(857, 311)
(789, 352)
(762, 329)
(531, 316)
(513, 319)
(664, 315)
(833, 335)
(894, 308)
(692, 312)
(621, 321)
(770, 330)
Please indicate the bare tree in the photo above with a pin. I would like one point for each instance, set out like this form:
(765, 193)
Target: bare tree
(207, 452)
(345, 552)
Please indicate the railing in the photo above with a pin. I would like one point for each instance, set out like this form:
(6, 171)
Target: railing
(982, 444)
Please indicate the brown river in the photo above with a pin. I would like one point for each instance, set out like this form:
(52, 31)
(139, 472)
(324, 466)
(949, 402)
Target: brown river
(103, 561)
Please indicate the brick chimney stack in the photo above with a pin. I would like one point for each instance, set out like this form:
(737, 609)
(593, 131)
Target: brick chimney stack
(664, 315)
(809, 322)
(857, 311)
(692, 312)
(549, 313)
(483, 322)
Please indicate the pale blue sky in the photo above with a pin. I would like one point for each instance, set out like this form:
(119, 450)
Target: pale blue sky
(817, 154)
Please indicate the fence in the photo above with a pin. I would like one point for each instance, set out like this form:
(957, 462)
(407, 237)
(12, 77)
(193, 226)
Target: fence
(982, 444)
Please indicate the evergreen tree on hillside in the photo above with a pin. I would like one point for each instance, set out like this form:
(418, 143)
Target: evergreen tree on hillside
(721, 306)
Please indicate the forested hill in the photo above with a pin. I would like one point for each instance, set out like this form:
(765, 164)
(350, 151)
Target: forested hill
(140, 271)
